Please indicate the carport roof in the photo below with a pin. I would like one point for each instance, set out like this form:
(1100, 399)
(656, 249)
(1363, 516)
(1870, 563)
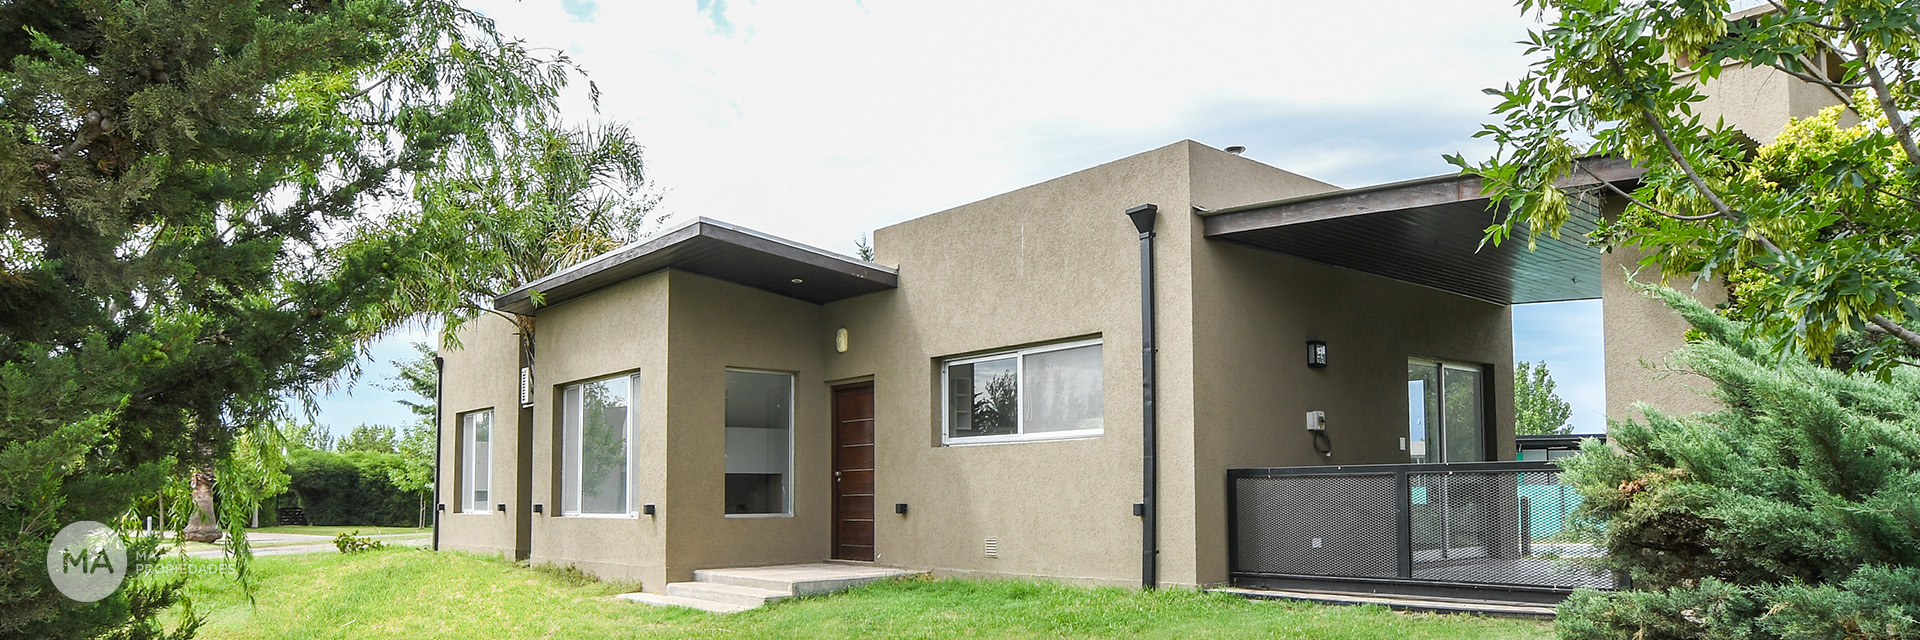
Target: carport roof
(719, 250)
(1426, 232)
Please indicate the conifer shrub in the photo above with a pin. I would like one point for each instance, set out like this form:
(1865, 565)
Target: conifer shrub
(1793, 512)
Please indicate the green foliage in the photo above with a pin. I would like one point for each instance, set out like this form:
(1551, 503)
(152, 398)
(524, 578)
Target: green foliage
(1792, 513)
(368, 437)
(351, 488)
(416, 376)
(1537, 409)
(203, 213)
(351, 542)
(1814, 231)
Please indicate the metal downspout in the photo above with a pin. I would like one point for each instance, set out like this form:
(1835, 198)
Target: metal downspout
(1143, 218)
(439, 374)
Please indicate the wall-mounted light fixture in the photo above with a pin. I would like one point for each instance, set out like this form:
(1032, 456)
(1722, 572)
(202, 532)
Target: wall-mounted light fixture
(537, 508)
(900, 508)
(840, 340)
(1316, 353)
(647, 509)
(500, 508)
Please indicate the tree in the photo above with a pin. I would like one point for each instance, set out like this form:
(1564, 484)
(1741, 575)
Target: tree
(1537, 410)
(368, 437)
(1815, 232)
(557, 196)
(1794, 512)
(203, 212)
(419, 377)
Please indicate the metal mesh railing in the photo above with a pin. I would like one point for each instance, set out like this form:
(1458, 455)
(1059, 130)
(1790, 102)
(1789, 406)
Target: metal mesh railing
(1477, 523)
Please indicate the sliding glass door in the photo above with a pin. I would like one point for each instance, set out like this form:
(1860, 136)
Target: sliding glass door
(1446, 409)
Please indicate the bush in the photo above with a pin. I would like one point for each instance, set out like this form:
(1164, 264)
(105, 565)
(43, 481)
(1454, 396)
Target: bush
(349, 542)
(1792, 513)
(351, 488)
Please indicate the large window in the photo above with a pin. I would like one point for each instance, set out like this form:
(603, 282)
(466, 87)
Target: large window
(1446, 410)
(1053, 391)
(759, 443)
(597, 423)
(476, 472)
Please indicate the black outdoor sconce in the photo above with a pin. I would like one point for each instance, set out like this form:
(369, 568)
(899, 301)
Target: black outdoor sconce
(900, 508)
(1316, 354)
(1139, 509)
(440, 507)
(539, 508)
(646, 509)
(502, 508)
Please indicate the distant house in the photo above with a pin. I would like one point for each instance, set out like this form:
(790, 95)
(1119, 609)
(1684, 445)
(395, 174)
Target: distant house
(971, 401)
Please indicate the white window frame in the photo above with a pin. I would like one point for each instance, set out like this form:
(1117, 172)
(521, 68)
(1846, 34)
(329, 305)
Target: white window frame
(632, 426)
(786, 492)
(1020, 386)
(467, 475)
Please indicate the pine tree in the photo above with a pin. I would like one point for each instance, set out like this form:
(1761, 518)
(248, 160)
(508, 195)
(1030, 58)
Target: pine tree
(1792, 513)
(205, 209)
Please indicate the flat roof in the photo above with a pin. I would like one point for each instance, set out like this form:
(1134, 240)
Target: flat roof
(718, 250)
(1427, 232)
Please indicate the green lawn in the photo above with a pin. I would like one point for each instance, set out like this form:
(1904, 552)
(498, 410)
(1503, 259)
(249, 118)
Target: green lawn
(421, 594)
(334, 531)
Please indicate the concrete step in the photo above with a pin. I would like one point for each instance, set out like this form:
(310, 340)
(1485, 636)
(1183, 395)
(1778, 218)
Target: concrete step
(658, 600)
(801, 579)
(727, 593)
(1403, 602)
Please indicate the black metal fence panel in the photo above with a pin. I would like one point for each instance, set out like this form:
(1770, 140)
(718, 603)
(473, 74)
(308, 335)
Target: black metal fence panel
(1502, 524)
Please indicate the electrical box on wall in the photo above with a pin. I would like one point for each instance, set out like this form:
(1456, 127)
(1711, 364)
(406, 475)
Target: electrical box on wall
(1316, 421)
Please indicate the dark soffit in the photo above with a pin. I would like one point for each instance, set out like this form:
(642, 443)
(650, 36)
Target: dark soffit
(718, 250)
(1428, 232)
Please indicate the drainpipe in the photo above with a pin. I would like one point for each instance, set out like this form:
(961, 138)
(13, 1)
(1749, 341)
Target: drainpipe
(1149, 437)
(439, 374)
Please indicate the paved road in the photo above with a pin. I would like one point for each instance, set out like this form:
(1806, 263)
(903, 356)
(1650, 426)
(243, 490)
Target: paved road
(284, 543)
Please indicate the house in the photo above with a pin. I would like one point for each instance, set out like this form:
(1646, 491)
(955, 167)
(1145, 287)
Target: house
(974, 401)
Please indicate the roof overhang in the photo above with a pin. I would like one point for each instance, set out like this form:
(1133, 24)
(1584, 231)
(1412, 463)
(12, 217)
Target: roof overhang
(717, 250)
(1428, 232)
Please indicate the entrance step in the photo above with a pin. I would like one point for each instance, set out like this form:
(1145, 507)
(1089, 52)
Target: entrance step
(658, 600)
(732, 594)
(740, 589)
(1501, 608)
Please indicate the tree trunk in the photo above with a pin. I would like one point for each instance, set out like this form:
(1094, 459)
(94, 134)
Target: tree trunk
(202, 525)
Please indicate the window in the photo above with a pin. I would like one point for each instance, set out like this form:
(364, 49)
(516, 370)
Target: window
(597, 424)
(477, 471)
(1446, 412)
(759, 441)
(1053, 391)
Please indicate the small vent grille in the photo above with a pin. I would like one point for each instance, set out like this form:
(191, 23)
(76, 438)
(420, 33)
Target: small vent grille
(993, 547)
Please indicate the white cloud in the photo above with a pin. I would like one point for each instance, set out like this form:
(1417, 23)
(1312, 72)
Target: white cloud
(819, 121)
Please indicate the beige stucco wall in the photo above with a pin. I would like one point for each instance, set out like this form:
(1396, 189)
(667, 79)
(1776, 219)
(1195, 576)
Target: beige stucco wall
(617, 330)
(717, 325)
(1758, 101)
(1254, 311)
(483, 373)
(1051, 262)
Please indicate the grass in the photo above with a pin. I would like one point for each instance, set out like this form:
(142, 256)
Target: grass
(421, 594)
(334, 531)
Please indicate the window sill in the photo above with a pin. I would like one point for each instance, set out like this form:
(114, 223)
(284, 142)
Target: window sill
(1087, 434)
(473, 513)
(601, 516)
(751, 516)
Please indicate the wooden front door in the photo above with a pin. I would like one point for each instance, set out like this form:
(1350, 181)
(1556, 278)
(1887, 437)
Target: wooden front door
(853, 472)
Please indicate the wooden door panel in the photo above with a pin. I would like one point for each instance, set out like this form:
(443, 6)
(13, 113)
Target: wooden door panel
(853, 471)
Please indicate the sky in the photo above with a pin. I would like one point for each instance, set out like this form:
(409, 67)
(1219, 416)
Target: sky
(821, 121)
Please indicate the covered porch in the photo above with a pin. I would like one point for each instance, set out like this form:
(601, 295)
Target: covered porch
(1451, 512)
